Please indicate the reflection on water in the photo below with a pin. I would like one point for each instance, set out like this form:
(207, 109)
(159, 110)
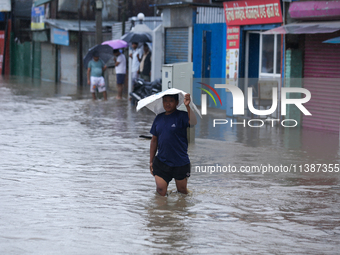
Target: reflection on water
(75, 180)
(166, 218)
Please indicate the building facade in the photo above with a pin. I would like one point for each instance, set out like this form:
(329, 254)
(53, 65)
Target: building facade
(312, 62)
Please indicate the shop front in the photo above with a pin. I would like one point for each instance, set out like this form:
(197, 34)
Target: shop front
(253, 59)
(321, 75)
(316, 23)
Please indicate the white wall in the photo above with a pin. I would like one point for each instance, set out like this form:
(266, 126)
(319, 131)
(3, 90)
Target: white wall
(157, 53)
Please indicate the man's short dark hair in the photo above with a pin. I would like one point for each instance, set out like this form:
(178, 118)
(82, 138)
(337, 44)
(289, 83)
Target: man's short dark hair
(115, 51)
(175, 96)
(95, 54)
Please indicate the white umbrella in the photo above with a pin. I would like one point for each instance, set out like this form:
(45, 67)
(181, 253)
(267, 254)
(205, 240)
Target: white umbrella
(155, 101)
(141, 28)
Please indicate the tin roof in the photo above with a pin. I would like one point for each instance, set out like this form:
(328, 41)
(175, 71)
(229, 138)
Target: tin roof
(183, 4)
(73, 25)
(306, 28)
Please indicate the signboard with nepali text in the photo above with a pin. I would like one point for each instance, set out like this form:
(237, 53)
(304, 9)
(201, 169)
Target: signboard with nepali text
(238, 13)
(233, 37)
(60, 36)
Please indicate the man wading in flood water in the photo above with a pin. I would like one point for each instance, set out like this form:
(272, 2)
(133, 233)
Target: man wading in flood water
(95, 79)
(169, 137)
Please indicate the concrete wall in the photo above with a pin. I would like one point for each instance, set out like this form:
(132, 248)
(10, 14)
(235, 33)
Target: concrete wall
(157, 53)
(178, 17)
(109, 11)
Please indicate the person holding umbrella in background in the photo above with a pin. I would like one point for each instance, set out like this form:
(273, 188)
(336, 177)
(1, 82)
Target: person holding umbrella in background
(95, 60)
(120, 71)
(95, 79)
(135, 55)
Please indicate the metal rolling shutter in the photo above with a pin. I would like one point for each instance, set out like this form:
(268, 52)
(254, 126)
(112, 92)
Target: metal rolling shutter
(68, 64)
(176, 45)
(48, 59)
(322, 79)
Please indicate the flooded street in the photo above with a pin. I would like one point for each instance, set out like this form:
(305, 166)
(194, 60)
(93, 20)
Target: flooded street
(75, 180)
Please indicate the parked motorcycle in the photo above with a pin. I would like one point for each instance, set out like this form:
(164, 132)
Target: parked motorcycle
(142, 89)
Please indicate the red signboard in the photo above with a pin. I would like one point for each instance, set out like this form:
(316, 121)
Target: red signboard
(252, 12)
(233, 37)
(233, 45)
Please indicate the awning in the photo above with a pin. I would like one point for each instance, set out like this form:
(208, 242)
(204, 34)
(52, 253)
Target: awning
(40, 2)
(73, 25)
(333, 40)
(315, 9)
(306, 28)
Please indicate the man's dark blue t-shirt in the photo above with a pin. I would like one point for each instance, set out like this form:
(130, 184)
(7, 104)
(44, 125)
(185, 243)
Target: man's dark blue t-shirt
(171, 132)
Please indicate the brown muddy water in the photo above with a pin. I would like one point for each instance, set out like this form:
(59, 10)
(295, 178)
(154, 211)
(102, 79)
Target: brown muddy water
(75, 180)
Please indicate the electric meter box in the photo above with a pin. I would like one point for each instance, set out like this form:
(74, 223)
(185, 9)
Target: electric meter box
(177, 75)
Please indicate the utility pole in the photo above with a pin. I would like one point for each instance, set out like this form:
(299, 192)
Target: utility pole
(99, 7)
(80, 51)
(123, 6)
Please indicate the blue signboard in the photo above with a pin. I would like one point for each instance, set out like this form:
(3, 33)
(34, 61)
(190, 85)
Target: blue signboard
(60, 36)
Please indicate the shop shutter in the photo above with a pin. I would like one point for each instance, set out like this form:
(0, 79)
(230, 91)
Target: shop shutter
(176, 45)
(48, 59)
(322, 79)
(68, 64)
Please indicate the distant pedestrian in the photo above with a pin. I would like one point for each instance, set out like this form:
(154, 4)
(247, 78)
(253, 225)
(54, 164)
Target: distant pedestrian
(169, 138)
(145, 64)
(95, 78)
(136, 56)
(120, 71)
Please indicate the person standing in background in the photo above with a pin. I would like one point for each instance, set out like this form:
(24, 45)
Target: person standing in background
(135, 55)
(120, 71)
(145, 64)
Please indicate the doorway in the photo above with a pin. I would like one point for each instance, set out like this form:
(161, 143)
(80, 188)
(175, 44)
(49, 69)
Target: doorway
(206, 54)
(262, 66)
(252, 57)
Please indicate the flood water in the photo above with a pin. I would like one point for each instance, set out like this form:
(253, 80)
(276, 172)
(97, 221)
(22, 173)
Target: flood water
(75, 180)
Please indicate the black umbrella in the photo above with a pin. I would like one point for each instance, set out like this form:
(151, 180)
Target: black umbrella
(139, 37)
(140, 33)
(105, 53)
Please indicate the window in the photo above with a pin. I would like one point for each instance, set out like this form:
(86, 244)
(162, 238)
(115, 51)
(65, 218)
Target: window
(270, 55)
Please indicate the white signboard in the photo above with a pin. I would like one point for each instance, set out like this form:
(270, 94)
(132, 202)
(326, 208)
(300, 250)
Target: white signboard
(5, 5)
